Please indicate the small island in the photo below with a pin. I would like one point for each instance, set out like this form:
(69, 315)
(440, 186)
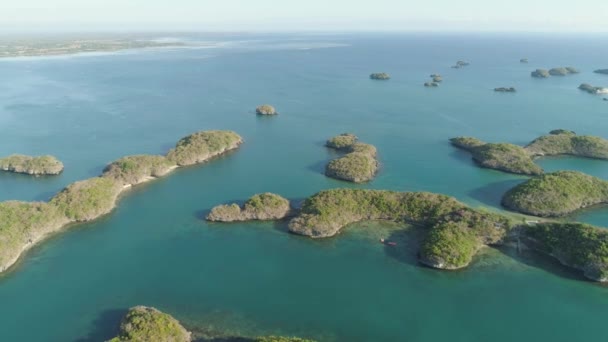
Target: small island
(563, 71)
(523, 60)
(520, 160)
(500, 156)
(382, 76)
(266, 206)
(540, 73)
(431, 84)
(505, 90)
(266, 110)
(436, 78)
(601, 71)
(37, 166)
(358, 165)
(27, 223)
(593, 89)
(460, 64)
(147, 324)
(556, 194)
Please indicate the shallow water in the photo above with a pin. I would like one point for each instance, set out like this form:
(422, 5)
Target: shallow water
(254, 278)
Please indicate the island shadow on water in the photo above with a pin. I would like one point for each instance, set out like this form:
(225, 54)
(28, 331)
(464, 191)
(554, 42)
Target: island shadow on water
(491, 194)
(105, 326)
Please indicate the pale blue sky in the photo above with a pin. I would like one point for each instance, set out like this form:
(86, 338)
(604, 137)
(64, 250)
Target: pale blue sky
(305, 15)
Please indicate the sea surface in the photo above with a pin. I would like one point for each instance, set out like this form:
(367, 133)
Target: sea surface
(251, 279)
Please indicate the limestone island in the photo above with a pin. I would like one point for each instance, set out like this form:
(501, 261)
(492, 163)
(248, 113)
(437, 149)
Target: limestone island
(557, 194)
(147, 324)
(436, 78)
(380, 76)
(520, 160)
(563, 71)
(266, 206)
(499, 156)
(431, 84)
(460, 64)
(358, 165)
(23, 224)
(592, 89)
(454, 232)
(505, 90)
(37, 166)
(540, 73)
(266, 110)
(601, 71)
(523, 60)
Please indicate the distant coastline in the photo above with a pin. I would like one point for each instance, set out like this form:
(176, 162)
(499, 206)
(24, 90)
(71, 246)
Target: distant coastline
(67, 46)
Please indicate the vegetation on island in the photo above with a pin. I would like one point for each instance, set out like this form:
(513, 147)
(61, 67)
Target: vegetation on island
(601, 71)
(560, 71)
(266, 206)
(138, 168)
(358, 165)
(556, 194)
(24, 223)
(576, 245)
(502, 156)
(540, 73)
(266, 110)
(199, 147)
(327, 212)
(559, 142)
(42, 165)
(380, 76)
(519, 160)
(145, 324)
(505, 90)
(593, 89)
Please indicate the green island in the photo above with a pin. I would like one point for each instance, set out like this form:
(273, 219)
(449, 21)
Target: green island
(505, 89)
(147, 324)
(593, 89)
(560, 71)
(556, 194)
(499, 156)
(431, 84)
(266, 110)
(53, 46)
(601, 71)
(382, 76)
(42, 165)
(454, 232)
(540, 73)
(358, 165)
(23, 224)
(266, 206)
(520, 160)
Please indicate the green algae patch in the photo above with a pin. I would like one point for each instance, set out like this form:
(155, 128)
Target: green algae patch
(266, 206)
(200, 146)
(576, 245)
(42, 165)
(138, 168)
(145, 324)
(358, 165)
(556, 194)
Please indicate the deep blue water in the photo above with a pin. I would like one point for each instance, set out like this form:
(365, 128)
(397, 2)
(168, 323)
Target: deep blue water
(254, 278)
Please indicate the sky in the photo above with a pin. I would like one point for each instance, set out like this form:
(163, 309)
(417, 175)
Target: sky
(304, 15)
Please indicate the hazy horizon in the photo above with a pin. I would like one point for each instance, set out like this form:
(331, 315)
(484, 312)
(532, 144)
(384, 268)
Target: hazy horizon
(309, 16)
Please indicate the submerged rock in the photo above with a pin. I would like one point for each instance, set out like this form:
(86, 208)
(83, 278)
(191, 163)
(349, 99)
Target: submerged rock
(266, 110)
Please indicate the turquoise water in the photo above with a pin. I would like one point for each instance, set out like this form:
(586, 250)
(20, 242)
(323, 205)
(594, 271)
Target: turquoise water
(254, 278)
